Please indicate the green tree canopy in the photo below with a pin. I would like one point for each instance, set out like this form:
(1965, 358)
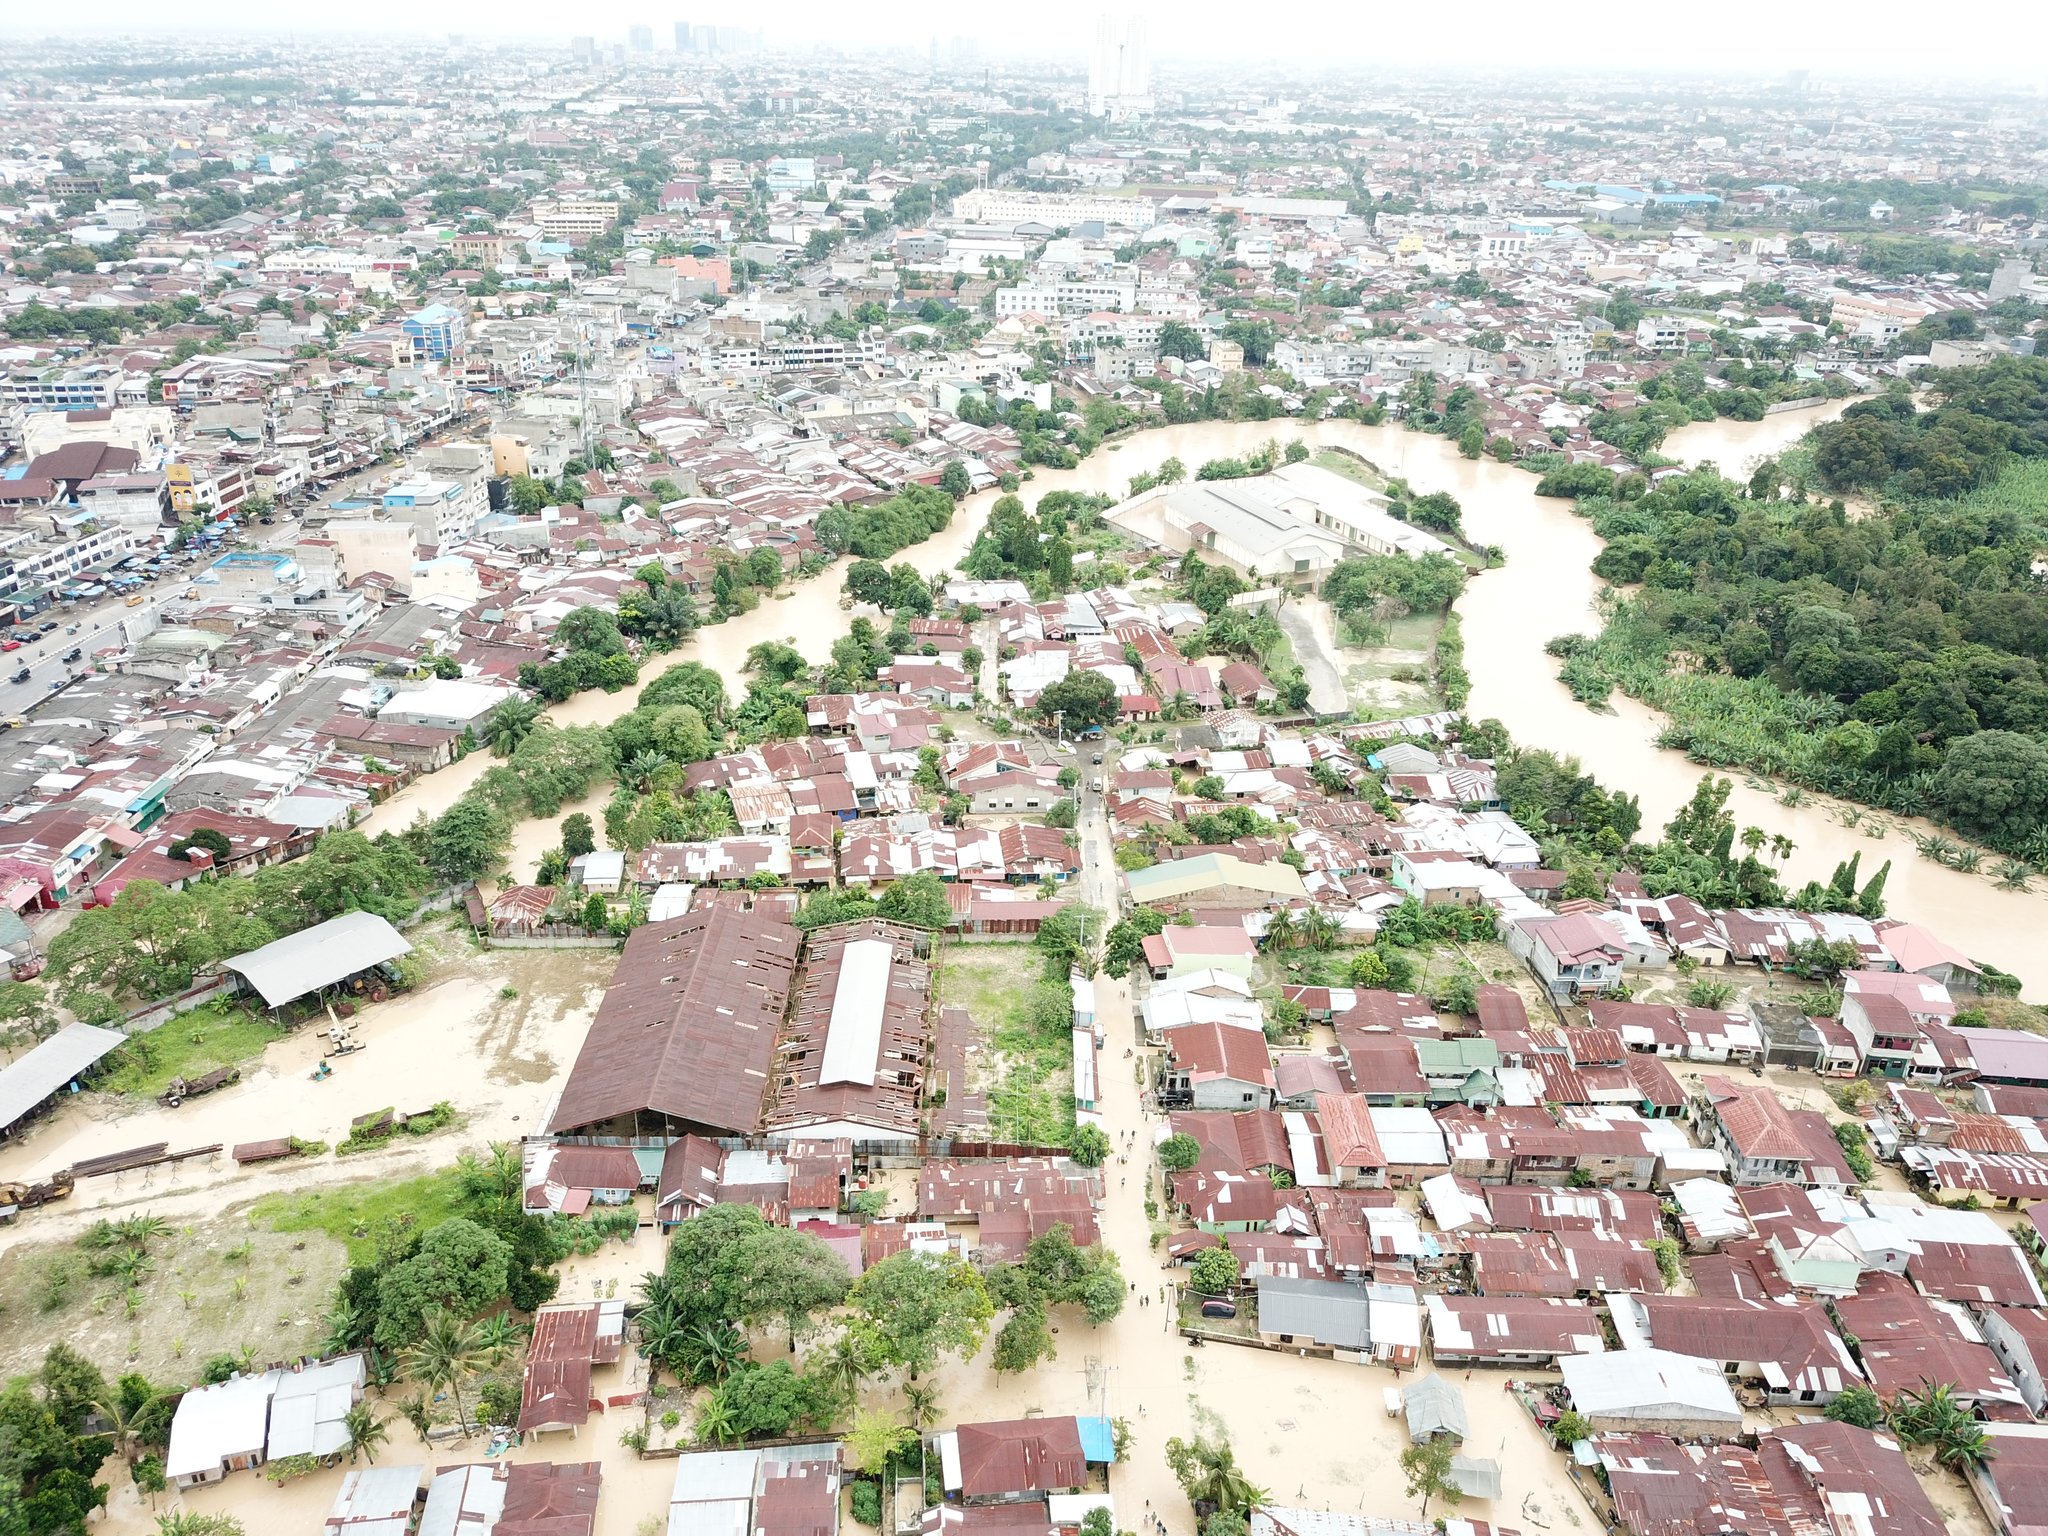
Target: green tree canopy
(923, 1306)
(461, 1268)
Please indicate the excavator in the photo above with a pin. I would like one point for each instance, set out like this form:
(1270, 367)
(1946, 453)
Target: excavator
(28, 1196)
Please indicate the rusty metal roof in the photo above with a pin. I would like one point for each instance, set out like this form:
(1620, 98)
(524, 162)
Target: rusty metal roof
(854, 1050)
(687, 1028)
(1021, 1456)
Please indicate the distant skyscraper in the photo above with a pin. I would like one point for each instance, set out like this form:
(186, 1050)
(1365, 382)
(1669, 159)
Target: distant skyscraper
(584, 48)
(684, 43)
(1119, 75)
(640, 39)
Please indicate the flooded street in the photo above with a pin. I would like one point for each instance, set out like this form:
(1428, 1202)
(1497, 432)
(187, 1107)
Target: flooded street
(1546, 588)
(1310, 1431)
(492, 1035)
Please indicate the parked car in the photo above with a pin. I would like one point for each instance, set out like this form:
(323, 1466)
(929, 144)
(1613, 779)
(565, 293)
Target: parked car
(1214, 1308)
(10, 644)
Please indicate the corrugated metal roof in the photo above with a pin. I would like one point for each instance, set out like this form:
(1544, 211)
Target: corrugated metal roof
(1434, 1407)
(1331, 1312)
(853, 1038)
(46, 1069)
(687, 1028)
(319, 956)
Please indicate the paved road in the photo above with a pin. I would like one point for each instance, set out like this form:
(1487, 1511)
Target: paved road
(1309, 633)
(98, 628)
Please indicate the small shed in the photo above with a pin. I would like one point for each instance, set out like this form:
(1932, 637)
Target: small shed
(316, 958)
(1477, 1477)
(601, 872)
(374, 1501)
(1434, 1407)
(46, 1071)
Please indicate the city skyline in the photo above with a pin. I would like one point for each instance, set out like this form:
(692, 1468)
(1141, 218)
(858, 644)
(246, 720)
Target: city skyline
(1749, 39)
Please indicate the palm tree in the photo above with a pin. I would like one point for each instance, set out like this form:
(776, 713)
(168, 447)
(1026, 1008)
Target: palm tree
(1319, 930)
(185, 1522)
(1280, 929)
(498, 1335)
(1754, 838)
(713, 1349)
(122, 1425)
(447, 1354)
(1211, 1475)
(367, 1432)
(715, 1423)
(662, 1336)
(640, 769)
(510, 724)
(921, 1404)
(1781, 847)
(414, 1411)
(850, 1360)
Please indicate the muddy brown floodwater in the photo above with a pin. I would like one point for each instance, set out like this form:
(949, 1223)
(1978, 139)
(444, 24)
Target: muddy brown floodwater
(1546, 588)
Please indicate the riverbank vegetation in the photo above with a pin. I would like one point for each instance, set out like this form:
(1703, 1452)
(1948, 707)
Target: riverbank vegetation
(1894, 659)
(1592, 834)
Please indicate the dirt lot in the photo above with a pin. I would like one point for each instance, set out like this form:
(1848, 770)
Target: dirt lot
(492, 1032)
(214, 1287)
(1389, 680)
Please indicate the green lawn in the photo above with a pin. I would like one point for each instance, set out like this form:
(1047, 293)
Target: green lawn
(352, 1213)
(187, 1046)
(1277, 659)
(1027, 1066)
(1350, 468)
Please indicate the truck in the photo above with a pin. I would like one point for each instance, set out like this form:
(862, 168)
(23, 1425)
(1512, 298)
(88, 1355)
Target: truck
(182, 1088)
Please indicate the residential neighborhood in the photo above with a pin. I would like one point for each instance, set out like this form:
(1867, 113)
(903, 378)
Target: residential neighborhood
(760, 786)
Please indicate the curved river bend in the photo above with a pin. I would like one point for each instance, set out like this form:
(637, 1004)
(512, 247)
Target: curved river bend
(1546, 588)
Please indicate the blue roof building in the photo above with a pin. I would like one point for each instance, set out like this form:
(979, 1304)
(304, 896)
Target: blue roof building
(438, 330)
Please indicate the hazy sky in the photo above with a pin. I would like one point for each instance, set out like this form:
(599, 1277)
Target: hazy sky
(2002, 39)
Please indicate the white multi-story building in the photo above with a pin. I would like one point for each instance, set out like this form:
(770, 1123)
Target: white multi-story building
(40, 564)
(1660, 333)
(442, 512)
(1066, 297)
(86, 387)
(1055, 210)
(1119, 74)
(575, 218)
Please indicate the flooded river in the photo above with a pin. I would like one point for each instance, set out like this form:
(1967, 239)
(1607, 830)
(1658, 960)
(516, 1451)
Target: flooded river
(1546, 588)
